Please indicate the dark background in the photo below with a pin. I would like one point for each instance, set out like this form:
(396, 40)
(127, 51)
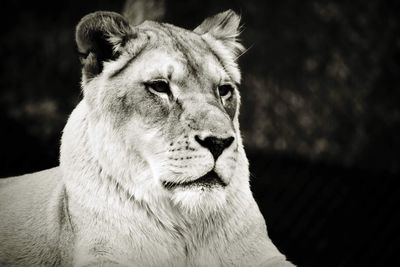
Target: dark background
(320, 113)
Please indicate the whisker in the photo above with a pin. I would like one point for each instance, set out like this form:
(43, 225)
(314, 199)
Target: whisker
(244, 52)
(161, 152)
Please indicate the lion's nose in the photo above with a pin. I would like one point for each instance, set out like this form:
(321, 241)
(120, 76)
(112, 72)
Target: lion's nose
(214, 144)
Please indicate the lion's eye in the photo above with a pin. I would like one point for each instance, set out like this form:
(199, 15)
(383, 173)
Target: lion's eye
(159, 86)
(225, 90)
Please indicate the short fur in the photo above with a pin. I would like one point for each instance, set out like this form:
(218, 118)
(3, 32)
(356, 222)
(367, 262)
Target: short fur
(111, 202)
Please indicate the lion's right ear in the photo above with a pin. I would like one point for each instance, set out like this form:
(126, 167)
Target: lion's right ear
(99, 38)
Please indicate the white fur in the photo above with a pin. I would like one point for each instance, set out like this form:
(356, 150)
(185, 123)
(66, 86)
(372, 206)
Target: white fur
(106, 204)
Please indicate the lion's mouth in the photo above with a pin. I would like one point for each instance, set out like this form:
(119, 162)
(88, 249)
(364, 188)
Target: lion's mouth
(210, 179)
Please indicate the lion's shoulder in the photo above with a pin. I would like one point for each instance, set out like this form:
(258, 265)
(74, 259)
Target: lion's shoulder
(37, 181)
(26, 197)
(30, 207)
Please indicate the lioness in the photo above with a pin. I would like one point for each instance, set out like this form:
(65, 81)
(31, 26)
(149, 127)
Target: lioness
(152, 167)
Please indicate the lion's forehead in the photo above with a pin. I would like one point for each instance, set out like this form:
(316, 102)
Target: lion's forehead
(173, 49)
(161, 64)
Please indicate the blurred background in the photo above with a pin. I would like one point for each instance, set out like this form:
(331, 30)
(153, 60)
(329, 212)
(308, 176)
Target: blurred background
(320, 111)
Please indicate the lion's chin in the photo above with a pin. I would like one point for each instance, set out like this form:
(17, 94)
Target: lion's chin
(199, 199)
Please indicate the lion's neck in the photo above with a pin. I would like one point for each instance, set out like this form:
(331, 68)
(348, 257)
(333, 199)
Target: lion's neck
(89, 182)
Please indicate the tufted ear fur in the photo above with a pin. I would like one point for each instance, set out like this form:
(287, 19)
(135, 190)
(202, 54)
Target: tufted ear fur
(99, 38)
(224, 27)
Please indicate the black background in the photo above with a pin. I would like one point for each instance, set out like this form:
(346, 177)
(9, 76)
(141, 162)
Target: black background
(320, 112)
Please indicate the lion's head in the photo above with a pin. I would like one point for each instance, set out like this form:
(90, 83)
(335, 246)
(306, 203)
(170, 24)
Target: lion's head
(163, 106)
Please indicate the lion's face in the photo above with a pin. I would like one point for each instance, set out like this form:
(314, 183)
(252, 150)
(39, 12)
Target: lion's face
(164, 118)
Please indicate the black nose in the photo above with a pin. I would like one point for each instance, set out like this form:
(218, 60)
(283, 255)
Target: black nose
(214, 144)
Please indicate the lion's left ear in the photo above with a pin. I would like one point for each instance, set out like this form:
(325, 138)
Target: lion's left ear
(225, 27)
